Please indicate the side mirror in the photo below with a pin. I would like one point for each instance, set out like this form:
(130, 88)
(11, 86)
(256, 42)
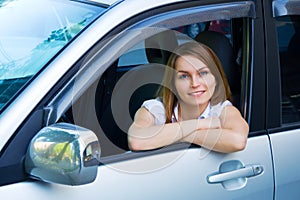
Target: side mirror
(65, 154)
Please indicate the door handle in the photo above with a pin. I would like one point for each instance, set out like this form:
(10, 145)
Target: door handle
(244, 172)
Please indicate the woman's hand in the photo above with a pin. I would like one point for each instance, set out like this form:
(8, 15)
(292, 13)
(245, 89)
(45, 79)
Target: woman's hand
(209, 123)
(226, 134)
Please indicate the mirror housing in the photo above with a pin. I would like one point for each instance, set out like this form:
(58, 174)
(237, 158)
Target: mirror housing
(63, 153)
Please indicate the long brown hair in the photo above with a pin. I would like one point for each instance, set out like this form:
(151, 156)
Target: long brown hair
(208, 57)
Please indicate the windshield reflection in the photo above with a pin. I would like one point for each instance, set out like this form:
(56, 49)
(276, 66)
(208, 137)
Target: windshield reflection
(36, 32)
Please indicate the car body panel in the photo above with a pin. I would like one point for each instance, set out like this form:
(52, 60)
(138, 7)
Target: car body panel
(133, 179)
(286, 164)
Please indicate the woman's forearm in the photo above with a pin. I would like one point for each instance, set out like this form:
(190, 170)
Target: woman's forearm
(144, 138)
(230, 137)
(152, 137)
(221, 140)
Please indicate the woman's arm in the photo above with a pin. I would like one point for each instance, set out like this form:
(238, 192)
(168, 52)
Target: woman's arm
(145, 135)
(231, 137)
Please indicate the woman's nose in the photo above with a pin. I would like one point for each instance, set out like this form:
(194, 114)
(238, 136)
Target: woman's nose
(196, 81)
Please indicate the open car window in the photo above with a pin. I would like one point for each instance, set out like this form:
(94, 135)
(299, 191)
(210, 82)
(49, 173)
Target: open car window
(111, 73)
(96, 108)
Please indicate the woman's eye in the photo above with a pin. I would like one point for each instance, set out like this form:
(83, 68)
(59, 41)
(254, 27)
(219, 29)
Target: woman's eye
(183, 76)
(203, 73)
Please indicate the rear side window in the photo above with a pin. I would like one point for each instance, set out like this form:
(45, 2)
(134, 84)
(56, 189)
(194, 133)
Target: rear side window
(288, 31)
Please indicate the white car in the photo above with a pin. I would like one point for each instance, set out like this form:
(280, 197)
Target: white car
(73, 73)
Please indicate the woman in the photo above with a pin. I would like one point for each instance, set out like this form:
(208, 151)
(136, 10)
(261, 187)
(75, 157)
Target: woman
(194, 106)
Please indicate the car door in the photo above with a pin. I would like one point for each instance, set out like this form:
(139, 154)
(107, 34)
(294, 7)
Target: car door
(282, 23)
(177, 171)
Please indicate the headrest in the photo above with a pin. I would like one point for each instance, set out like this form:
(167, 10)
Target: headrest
(220, 44)
(159, 46)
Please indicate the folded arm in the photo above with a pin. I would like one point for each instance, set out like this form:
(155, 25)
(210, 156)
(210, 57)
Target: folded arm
(230, 137)
(225, 134)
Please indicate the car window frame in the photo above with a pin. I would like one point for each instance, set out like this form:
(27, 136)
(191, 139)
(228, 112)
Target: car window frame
(277, 9)
(110, 55)
(284, 8)
(140, 25)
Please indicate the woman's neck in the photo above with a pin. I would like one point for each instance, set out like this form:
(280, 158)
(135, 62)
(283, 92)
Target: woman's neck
(187, 112)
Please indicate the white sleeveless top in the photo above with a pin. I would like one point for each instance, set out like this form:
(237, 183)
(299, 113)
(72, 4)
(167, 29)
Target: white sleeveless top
(157, 109)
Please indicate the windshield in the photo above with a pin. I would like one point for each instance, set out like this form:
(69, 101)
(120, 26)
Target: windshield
(32, 32)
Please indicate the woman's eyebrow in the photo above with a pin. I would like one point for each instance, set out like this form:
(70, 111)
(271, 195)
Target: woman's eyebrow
(202, 68)
(183, 71)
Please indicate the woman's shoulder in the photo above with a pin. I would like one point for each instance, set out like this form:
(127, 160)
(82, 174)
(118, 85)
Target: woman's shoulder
(157, 109)
(218, 108)
(153, 103)
(226, 103)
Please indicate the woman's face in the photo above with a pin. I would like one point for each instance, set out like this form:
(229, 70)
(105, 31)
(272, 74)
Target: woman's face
(194, 82)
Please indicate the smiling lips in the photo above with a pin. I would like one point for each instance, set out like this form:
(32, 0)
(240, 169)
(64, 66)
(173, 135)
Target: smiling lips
(197, 93)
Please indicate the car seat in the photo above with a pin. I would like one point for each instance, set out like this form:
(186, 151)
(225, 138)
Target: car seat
(158, 48)
(221, 45)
